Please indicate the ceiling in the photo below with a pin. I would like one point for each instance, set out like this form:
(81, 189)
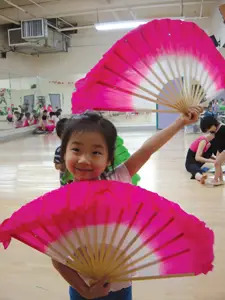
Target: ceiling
(84, 13)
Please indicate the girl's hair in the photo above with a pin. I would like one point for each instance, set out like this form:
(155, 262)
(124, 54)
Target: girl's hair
(207, 122)
(91, 122)
(60, 126)
(20, 117)
(27, 115)
(51, 114)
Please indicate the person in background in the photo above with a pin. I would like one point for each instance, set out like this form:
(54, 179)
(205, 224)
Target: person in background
(19, 120)
(212, 125)
(49, 109)
(215, 107)
(209, 111)
(27, 120)
(58, 113)
(57, 157)
(199, 154)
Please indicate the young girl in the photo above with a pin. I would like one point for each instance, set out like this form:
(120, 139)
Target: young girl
(19, 120)
(198, 154)
(87, 150)
(27, 120)
(211, 124)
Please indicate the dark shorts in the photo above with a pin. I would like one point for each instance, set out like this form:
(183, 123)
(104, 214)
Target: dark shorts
(124, 294)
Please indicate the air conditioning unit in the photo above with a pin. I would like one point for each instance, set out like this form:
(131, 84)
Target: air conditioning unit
(34, 29)
(15, 38)
(36, 37)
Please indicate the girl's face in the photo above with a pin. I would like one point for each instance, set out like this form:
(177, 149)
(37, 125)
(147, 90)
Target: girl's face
(86, 155)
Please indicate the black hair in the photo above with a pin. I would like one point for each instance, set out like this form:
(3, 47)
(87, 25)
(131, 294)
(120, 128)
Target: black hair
(207, 122)
(20, 117)
(51, 114)
(45, 111)
(91, 122)
(27, 115)
(60, 126)
(57, 113)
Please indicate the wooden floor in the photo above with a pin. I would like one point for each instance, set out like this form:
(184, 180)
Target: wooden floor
(26, 171)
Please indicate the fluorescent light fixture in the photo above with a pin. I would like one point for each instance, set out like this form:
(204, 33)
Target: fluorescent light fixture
(119, 25)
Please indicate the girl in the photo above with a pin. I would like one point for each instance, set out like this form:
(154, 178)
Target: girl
(199, 154)
(87, 150)
(51, 122)
(19, 120)
(27, 120)
(211, 124)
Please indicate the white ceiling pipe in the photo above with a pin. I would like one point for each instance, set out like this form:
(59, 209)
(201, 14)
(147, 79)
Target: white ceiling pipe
(9, 19)
(201, 8)
(19, 8)
(93, 25)
(35, 3)
(123, 8)
(42, 7)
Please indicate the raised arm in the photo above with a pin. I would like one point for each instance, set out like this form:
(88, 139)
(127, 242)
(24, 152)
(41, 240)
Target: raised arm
(142, 155)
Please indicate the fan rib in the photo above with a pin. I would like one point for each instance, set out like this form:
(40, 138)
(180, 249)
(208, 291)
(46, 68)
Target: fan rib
(200, 85)
(152, 277)
(122, 263)
(163, 101)
(133, 94)
(137, 71)
(121, 254)
(114, 234)
(80, 252)
(96, 252)
(121, 242)
(173, 76)
(149, 68)
(153, 251)
(103, 244)
(171, 89)
(88, 247)
(134, 270)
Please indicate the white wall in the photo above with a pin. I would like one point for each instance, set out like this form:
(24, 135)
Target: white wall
(217, 24)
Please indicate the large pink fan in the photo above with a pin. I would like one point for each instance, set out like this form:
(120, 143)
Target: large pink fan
(169, 62)
(115, 230)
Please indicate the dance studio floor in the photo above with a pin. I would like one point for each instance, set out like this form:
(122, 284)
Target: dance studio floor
(27, 171)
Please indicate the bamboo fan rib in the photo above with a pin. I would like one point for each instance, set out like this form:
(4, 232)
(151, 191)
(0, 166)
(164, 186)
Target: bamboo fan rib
(168, 62)
(113, 230)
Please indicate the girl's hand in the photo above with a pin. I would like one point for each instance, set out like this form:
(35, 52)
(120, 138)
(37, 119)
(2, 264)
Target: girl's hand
(99, 289)
(192, 115)
(211, 160)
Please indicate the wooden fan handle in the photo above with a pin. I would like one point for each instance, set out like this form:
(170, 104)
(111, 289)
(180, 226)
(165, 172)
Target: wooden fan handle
(151, 277)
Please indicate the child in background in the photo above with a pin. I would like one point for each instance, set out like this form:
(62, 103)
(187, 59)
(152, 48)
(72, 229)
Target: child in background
(87, 150)
(198, 154)
(57, 157)
(27, 120)
(211, 124)
(19, 120)
(51, 122)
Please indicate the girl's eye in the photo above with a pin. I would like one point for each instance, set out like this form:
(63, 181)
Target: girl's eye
(75, 149)
(97, 153)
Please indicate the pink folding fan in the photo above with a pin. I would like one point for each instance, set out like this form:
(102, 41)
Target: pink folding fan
(113, 230)
(168, 62)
